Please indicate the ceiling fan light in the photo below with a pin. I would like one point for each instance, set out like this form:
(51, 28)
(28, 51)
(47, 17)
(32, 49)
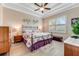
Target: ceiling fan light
(41, 8)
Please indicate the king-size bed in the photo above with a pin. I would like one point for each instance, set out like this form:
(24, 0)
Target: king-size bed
(34, 40)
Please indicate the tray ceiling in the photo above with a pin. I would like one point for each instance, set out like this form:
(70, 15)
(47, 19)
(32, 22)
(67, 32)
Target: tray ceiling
(30, 7)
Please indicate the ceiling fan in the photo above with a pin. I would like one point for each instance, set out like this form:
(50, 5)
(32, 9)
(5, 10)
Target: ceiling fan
(42, 7)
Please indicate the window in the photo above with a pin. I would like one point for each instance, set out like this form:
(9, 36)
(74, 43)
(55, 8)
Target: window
(58, 24)
(61, 20)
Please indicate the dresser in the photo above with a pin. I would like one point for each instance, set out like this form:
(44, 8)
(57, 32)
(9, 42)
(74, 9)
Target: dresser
(71, 50)
(4, 39)
(71, 47)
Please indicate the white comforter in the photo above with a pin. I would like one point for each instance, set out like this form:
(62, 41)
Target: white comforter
(37, 36)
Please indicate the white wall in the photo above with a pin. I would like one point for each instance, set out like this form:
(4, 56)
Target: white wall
(1, 15)
(14, 19)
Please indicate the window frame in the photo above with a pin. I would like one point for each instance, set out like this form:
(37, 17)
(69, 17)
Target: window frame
(56, 31)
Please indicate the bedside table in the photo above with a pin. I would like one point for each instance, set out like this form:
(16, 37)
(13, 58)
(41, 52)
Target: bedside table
(18, 38)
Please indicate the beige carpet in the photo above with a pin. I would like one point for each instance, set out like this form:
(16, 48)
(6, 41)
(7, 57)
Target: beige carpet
(53, 49)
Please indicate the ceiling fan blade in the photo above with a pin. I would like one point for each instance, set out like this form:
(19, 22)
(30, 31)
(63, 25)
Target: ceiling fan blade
(36, 9)
(45, 4)
(37, 4)
(47, 8)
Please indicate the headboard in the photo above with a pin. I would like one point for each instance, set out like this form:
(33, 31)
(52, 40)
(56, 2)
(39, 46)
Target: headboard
(29, 28)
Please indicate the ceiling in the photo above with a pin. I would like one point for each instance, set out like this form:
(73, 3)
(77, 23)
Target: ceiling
(30, 7)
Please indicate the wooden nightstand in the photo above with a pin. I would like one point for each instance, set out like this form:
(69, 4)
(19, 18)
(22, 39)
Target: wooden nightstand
(18, 38)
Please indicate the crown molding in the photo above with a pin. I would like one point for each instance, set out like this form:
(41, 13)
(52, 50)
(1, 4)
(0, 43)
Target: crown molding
(71, 6)
(25, 9)
(20, 10)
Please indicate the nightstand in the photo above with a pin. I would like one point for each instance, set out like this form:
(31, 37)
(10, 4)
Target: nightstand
(18, 38)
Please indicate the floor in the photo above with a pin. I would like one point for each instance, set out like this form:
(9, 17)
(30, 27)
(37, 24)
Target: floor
(53, 49)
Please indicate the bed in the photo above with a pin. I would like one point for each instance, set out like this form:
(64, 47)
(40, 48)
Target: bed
(34, 39)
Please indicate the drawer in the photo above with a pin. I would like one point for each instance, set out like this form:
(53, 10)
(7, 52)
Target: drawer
(18, 38)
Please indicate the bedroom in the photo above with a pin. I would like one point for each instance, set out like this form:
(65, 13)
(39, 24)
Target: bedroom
(21, 17)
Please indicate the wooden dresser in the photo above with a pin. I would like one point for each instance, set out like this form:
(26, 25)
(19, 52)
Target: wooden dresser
(70, 50)
(71, 47)
(4, 39)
